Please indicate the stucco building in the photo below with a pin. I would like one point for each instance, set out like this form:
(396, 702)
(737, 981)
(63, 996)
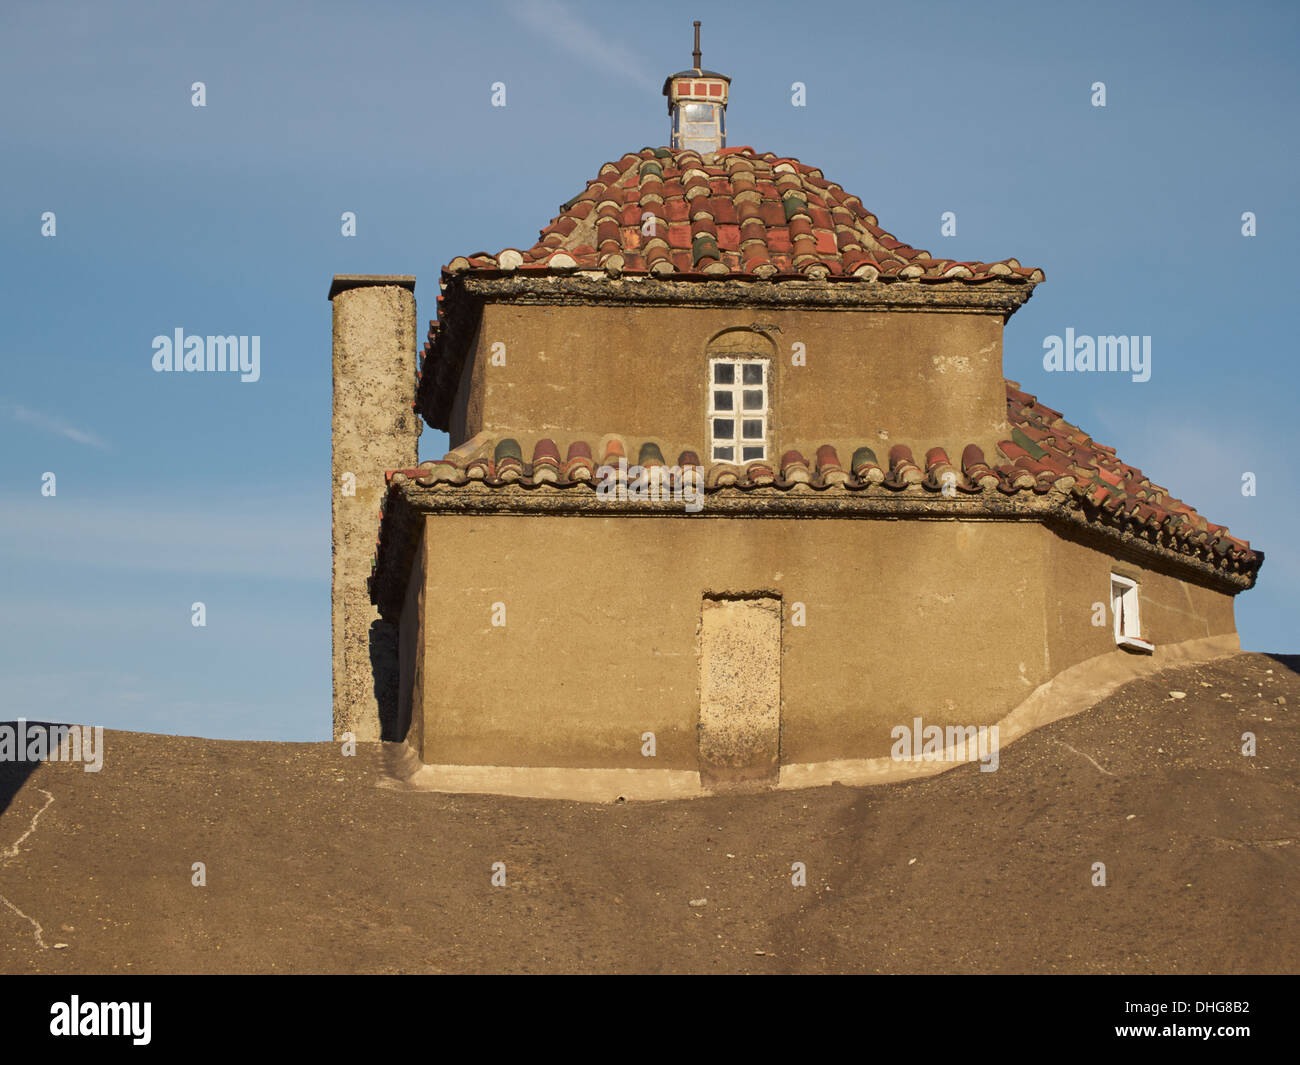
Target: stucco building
(737, 486)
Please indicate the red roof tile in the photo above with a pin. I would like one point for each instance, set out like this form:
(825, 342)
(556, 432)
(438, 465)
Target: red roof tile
(1045, 454)
(774, 199)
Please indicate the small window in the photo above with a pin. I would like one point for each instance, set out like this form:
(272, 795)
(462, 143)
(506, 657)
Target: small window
(1124, 607)
(738, 438)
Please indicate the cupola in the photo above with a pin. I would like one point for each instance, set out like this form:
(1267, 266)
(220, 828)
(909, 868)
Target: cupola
(697, 102)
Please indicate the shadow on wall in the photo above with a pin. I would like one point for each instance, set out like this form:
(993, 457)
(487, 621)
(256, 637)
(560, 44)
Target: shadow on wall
(15, 770)
(384, 668)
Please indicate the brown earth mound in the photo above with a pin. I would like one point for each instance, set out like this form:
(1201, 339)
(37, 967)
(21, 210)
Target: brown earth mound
(316, 863)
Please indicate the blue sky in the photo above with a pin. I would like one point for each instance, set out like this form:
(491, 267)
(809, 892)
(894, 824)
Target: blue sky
(173, 488)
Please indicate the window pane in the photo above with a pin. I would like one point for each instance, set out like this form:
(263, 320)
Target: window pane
(753, 428)
(753, 399)
(698, 112)
(753, 373)
(752, 453)
(724, 373)
(724, 428)
(722, 401)
(725, 454)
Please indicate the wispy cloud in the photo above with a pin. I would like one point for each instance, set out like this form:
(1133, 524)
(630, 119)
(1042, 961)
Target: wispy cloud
(568, 31)
(51, 424)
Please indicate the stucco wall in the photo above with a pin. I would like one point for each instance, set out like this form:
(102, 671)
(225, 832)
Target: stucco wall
(467, 407)
(954, 622)
(410, 651)
(924, 378)
(1171, 610)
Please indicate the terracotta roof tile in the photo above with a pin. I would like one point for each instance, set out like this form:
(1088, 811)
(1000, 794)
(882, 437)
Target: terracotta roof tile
(775, 200)
(1046, 454)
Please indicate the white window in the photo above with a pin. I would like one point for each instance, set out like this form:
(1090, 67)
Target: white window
(1128, 620)
(738, 409)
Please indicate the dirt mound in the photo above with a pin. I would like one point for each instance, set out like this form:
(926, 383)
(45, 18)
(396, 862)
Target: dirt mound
(312, 866)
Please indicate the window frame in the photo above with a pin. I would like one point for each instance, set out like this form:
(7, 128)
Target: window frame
(705, 134)
(1126, 611)
(738, 414)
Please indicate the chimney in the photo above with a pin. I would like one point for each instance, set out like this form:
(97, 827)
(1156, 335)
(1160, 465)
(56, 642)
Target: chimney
(697, 102)
(374, 429)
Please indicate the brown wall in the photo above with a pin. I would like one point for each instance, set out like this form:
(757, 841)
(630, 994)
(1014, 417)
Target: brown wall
(1171, 610)
(467, 407)
(951, 621)
(410, 651)
(924, 378)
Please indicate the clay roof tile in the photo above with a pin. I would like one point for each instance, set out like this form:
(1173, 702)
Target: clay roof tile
(794, 200)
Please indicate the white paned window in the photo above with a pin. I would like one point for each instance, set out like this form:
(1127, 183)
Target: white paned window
(738, 391)
(1128, 619)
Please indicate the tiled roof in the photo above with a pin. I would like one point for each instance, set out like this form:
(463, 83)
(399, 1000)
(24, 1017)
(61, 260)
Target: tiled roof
(1044, 444)
(1045, 454)
(736, 213)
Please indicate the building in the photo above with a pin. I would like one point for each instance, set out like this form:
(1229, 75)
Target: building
(738, 486)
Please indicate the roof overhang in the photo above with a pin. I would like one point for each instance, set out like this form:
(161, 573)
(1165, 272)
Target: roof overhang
(409, 503)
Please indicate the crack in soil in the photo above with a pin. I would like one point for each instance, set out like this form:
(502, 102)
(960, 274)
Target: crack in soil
(11, 853)
(1082, 755)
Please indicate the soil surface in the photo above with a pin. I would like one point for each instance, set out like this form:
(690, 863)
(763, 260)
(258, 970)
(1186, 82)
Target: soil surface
(317, 862)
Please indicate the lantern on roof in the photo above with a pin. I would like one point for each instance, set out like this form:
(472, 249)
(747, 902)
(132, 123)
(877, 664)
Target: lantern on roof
(697, 102)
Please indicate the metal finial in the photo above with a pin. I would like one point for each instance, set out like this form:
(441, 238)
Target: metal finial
(696, 54)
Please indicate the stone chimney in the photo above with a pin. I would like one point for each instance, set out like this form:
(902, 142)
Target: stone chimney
(374, 429)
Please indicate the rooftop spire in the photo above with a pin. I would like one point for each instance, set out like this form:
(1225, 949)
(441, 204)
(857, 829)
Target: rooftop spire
(697, 101)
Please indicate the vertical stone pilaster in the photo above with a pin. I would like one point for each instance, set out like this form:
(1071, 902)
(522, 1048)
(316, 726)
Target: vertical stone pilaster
(373, 429)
